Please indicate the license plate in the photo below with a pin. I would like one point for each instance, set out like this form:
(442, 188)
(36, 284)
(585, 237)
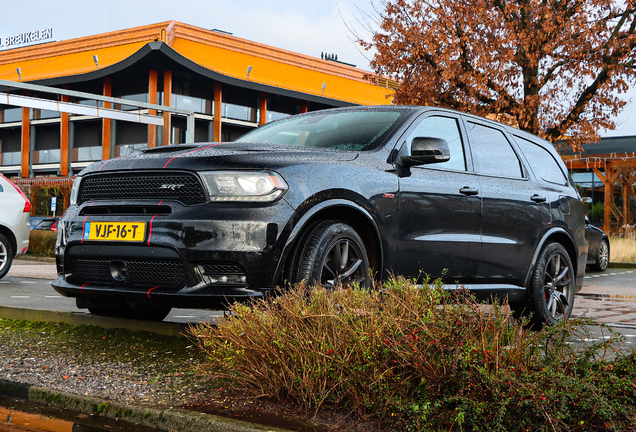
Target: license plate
(115, 231)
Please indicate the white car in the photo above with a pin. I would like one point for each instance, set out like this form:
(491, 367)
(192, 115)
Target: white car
(15, 209)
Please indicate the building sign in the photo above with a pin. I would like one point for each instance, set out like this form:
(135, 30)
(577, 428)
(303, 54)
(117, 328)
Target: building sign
(25, 38)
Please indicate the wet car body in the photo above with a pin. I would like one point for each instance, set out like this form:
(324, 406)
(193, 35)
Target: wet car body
(483, 232)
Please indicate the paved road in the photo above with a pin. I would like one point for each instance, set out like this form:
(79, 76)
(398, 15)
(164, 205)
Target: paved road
(28, 285)
(608, 297)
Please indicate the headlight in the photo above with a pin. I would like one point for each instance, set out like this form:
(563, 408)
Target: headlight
(75, 190)
(262, 186)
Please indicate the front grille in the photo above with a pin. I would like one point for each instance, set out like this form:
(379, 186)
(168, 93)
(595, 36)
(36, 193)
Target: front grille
(165, 274)
(222, 268)
(183, 187)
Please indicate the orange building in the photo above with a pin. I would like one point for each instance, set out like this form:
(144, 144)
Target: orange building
(232, 85)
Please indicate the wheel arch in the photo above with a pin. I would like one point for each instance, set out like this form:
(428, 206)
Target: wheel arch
(11, 237)
(342, 210)
(556, 235)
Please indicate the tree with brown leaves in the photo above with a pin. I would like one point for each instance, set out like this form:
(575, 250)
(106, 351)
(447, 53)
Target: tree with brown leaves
(554, 68)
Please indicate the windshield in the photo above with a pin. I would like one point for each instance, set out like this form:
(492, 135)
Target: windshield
(349, 130)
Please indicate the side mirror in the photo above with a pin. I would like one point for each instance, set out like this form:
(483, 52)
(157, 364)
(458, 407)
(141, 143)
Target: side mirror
(426, 150)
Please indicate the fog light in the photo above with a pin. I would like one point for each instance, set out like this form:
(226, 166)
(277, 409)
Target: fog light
(210, 278)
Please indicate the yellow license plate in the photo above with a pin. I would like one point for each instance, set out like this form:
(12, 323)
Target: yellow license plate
(115, 231)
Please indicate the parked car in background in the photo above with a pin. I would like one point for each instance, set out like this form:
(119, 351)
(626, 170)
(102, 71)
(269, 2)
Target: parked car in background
(47, 224)
(330, 197)
(15, 208)
(598, 247)
(35, 220)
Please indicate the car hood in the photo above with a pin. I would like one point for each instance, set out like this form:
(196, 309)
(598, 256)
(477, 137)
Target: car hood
(200, 157)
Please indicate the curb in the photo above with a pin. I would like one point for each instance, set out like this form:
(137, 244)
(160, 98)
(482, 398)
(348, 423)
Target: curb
(164, 419)
(79, 318)
(622, 265)
(36, 258)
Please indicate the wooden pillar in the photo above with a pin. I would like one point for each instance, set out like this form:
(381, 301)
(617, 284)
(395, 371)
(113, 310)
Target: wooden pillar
(218, 103)
(26, 140)
(625, 200)
(64, 141)
(303, 106)
(108, 91)
(152, 98)
(263, 109)
(609, 196)
(167, 99)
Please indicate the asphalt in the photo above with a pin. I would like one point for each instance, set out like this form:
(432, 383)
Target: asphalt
(608, 298)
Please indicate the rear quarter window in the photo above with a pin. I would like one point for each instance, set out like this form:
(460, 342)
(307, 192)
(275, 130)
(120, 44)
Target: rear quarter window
(542, 162)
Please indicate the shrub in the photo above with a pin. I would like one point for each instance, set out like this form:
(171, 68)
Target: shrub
(598, 211)
(420, 358)
(42, 243)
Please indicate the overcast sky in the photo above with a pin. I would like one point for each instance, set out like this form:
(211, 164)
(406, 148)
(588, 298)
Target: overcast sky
(305, 26)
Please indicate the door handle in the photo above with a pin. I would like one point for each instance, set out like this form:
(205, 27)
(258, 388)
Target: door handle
(538, 198)
(468, 191)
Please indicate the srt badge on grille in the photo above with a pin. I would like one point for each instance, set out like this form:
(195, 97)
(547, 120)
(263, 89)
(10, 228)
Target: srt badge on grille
(171, 186)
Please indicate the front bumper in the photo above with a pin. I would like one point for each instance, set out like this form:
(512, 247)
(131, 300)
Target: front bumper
(192, 256)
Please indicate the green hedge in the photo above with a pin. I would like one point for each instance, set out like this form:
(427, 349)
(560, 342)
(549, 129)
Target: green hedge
(42, 243)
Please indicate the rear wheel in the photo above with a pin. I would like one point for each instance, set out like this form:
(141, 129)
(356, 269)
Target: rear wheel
(602, 257)
(333, 255)
(553, 285)
(6, 255)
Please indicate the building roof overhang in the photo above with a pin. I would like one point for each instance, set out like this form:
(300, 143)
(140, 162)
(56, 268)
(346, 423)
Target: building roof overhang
(220, 57)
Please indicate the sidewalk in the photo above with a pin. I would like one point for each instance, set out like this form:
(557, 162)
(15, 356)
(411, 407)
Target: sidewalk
(30, 268)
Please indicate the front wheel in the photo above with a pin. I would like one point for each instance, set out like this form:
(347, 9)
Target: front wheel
(602, 257)
(552, 288)
(334, 255)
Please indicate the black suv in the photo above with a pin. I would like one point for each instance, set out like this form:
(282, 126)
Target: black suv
(329, 196)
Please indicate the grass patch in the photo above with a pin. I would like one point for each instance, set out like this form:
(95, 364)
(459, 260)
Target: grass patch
(421, 358)
(152, 355)
(42, 243)
(623, 249)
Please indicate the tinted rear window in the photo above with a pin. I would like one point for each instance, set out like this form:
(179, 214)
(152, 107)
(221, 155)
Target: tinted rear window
(350, 130)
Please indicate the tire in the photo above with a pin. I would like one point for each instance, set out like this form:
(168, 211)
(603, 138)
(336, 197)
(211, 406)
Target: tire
(552, 288)
(123, 309)
(6, 255)
(602, 257)
(333, 255)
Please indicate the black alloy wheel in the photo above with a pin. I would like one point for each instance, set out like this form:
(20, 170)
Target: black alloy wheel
(553, 285)
(602, 257)
(334, 255)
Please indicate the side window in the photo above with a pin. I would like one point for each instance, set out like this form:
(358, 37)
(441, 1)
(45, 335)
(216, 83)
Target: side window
(447, 129)
(492, 153)
(542, 162)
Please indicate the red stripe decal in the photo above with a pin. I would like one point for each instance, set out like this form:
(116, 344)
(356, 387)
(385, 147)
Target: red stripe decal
(150, 232)
(148, 293)
(83, 227)
(88, 283)
(160, 202)
(100, 168)
(183, 154)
